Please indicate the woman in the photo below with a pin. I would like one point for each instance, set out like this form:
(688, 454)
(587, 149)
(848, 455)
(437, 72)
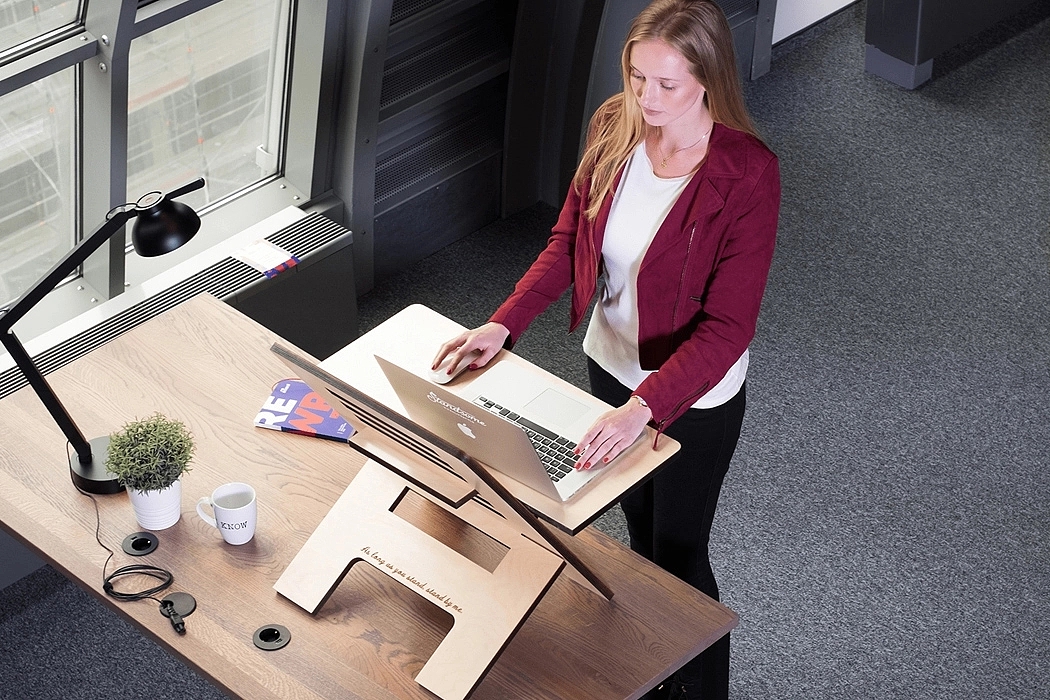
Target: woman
(675, 205)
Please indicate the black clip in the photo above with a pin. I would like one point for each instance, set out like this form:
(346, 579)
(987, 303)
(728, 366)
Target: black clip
(167, 609)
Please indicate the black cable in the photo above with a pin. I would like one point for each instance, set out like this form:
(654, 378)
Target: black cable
(98, 517)
(167, 608)
(163, 575)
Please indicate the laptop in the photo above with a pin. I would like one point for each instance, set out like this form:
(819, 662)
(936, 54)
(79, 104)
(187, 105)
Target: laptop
(513, 421)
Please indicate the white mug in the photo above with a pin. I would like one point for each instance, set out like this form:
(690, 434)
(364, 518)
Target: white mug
(235, 512)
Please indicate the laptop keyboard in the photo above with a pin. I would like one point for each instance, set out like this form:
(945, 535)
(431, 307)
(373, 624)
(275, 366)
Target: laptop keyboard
(555, 451)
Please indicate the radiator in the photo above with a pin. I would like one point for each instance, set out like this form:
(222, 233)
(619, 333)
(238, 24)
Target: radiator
(312, 305)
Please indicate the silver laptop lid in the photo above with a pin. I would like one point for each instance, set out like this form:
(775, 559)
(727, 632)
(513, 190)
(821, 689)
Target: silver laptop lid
(501, 445)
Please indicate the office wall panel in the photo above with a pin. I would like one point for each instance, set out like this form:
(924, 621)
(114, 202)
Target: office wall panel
(437, 216)
(904, 37)
(425, 100)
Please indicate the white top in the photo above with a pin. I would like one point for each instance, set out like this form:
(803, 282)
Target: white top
(639, 207)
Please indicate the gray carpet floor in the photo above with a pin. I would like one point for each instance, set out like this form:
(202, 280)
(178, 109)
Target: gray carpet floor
(885, 527)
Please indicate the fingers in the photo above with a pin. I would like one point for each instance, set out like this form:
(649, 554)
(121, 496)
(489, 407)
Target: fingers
(611, 434)
(598, 445)
(585, 443)
(485, 341)
(447, 348)
(603, 450)
(485, 356)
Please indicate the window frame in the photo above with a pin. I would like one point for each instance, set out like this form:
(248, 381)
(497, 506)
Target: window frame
(99, 45)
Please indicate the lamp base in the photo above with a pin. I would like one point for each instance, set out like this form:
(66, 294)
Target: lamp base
(93, 477)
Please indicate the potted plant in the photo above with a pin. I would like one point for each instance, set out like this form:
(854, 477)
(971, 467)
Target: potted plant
(149, 457)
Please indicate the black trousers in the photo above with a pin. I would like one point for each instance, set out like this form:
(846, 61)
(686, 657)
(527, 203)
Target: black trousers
(669, 517)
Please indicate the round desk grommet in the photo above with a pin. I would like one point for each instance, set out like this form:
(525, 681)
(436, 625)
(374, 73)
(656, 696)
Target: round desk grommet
(139, 544)
(271, 637)
(183, 603)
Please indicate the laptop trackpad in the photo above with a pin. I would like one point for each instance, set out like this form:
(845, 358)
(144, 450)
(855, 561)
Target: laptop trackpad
(556, 408)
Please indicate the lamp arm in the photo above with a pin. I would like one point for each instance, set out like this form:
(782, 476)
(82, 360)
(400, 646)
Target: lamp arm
(186, 189)
(47, 396)
(31, 298)
(63, 267)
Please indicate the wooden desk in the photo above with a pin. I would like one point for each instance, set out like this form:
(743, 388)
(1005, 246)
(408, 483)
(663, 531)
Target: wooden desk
(211, 367)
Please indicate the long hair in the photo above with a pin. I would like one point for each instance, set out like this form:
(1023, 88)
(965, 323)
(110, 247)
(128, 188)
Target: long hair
(698, 30)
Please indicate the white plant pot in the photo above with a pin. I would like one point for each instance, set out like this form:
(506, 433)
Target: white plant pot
(157, 510)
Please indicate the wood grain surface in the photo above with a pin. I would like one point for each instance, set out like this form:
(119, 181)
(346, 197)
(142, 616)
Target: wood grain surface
(211, 367)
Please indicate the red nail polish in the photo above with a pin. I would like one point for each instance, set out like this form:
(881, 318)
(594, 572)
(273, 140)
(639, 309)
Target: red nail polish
(586, 465)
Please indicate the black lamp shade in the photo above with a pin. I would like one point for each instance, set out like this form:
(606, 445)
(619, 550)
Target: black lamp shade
(164, 227)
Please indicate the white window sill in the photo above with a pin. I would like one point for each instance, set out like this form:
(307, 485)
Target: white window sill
(75, 306)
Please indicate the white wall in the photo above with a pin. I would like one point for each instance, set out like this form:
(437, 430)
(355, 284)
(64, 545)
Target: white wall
(795, 15)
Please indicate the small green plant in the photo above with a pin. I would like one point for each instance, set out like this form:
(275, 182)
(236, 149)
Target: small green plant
(150, 454)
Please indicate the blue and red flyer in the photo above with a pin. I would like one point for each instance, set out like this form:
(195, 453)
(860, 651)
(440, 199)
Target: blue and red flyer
(293, 407)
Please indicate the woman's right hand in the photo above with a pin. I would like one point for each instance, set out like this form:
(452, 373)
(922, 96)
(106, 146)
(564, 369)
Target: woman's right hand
(484, 341)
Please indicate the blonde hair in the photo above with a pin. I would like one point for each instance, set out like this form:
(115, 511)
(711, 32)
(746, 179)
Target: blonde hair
(698, 30)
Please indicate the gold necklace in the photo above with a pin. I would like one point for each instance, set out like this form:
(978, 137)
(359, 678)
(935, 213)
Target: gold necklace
(663, 163)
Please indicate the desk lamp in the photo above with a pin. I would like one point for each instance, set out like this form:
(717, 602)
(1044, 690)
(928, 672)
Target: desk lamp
(161, 226)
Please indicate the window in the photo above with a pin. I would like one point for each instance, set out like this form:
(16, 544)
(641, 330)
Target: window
(37, 206)
(22, 20)
(204, 100)
(205, 89)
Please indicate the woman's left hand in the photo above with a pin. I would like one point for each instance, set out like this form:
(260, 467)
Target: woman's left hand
(611, 434)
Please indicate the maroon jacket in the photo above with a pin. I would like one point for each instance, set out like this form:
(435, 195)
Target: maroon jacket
(701, 281)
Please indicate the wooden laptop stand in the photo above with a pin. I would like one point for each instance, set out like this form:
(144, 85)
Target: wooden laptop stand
(409, 339)
(433, 519)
